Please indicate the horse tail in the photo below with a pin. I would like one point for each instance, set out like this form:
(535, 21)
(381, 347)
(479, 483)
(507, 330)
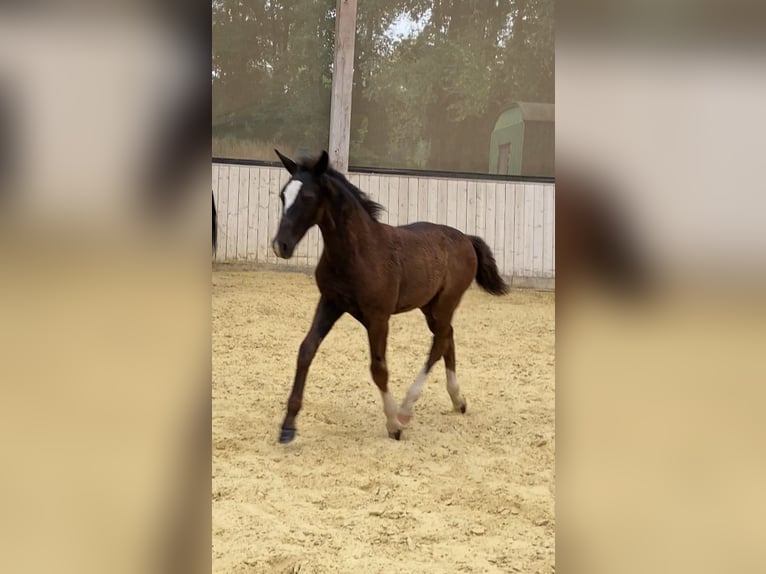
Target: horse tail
(487, 275)
(215, 228)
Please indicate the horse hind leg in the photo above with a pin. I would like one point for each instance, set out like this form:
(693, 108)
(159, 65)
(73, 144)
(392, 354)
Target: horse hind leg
(442, 334)
(458, 400)
(413, 394)
(453, 389)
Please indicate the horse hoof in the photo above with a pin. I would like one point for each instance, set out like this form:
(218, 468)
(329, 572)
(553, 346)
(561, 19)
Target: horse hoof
(463, 407)
(395, 435)
(286, 436)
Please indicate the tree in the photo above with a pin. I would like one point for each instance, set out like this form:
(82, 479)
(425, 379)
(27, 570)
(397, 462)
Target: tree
(442, 87)
(272, 65)
(427, 100)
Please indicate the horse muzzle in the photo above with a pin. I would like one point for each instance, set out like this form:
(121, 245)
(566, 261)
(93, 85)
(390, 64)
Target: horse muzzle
(282, 249)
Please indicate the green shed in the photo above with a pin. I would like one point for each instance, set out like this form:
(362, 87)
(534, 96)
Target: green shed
(523, 141)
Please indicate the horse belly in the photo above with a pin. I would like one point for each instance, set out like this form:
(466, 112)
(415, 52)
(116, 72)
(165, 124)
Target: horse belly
(419, 287)
(424, 259)
(404, 307)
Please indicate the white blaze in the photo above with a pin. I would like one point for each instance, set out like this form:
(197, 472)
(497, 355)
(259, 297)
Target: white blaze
(291, 192)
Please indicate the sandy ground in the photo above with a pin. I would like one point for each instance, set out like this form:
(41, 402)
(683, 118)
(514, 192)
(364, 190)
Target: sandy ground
(458, 493)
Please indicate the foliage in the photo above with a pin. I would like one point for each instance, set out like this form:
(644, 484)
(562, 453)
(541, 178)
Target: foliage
(272, 65)
(427, 99)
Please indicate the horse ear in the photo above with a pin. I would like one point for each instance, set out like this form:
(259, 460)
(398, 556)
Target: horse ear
(322, 163)
(287, 162)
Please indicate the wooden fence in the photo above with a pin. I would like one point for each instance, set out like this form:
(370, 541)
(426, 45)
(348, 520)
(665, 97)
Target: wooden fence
(515, 219)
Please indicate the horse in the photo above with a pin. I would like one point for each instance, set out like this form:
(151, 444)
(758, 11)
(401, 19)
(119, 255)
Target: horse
(596, 241)
(372, 271)
(215, 228)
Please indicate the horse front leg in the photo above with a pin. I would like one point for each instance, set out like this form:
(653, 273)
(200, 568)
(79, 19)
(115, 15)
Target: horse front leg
(377, 332)
(325, 317)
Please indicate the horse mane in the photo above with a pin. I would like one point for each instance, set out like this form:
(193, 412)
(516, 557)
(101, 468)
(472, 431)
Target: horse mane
(373, 208)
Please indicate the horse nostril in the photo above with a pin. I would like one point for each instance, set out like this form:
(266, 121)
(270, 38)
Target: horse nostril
(279, 248)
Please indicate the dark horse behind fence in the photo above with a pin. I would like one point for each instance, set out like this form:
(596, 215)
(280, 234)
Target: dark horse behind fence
(372, 271)
(215, 228)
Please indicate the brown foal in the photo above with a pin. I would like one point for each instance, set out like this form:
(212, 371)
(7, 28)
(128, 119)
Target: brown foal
(371, 271)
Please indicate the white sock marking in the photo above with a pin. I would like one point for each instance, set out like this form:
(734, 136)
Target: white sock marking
(413, 393)
(453, 389)
(389, 407)
(291, 191)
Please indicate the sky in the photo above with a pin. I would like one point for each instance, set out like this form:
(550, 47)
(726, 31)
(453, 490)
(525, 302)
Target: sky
(405, 27)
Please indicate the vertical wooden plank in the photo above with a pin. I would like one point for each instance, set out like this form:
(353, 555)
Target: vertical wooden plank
(451, 202)
(260, 247)
(374, 191)
(383, 198)
(393, 200)
(460, 213)
(214, 188)
(404, 200)
(364, 183)
(510, 228)
(354, 178)
(548, 231)
(518, 235)
(529, 229)
(233, 211)
(433, 198)
(215, 184)
(441, 202)
(342, 83)
(539, 214)
(499, 223)
(554, 229)
(256, 178)
(223, 210)
(491, 224)
(422, 199)
(273, 210)
(254, 185)
(244, 198)
(412, 210)
(470, 214)
(481, 203)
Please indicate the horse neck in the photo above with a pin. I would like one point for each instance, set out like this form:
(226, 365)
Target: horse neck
(347, 232)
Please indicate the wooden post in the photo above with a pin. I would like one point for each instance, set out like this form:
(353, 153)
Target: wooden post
(342, 84)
